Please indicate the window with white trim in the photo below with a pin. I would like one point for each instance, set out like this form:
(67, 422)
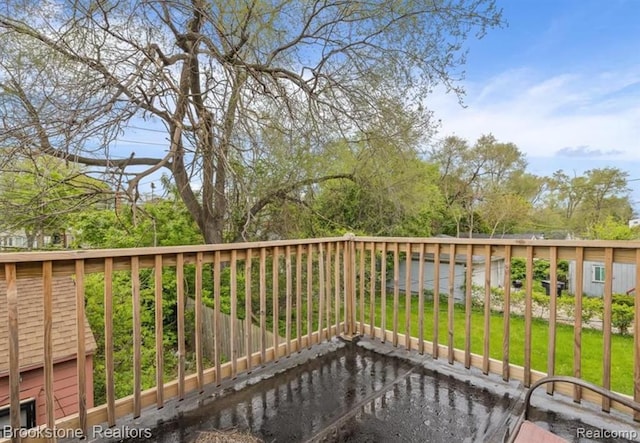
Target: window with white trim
(597, 274)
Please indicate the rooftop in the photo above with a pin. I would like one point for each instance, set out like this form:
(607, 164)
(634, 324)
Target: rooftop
(363, 391)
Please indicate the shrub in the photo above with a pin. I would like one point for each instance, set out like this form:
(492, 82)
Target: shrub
(542, 301)
(622, 317)
(623, 299)
(591, 307)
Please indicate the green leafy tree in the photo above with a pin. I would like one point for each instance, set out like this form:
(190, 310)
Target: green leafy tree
(40, 194)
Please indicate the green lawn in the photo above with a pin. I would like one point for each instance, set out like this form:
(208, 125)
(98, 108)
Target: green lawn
(592, 341)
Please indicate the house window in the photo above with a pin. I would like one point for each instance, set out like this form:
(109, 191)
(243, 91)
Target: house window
(27, 415)
(597, 274)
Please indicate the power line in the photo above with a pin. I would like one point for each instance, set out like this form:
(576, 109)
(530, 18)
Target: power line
(147, 129)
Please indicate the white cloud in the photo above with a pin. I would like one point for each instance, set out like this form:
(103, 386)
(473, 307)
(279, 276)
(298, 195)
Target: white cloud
(546, 115)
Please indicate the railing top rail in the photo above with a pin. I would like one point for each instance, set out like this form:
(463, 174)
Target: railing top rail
(616, 244)
(41, 256)
(79, 254)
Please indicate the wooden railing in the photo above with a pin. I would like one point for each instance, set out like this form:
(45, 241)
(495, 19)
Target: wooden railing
(458, 310)
(295, 289)
(307, 291)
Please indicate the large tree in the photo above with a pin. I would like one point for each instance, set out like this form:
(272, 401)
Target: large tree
(220, 78)
(479, 180)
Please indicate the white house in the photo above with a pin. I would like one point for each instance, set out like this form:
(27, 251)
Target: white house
(460, 272)
(624, 278)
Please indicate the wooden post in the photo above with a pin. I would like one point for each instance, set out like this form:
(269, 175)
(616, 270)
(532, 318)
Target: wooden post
(14, 344)
(486, 350)
(421, 300)
(527, 316)
(181, 320)
(553, 314)
(451, 300)
(108, 341)
(233, 283)
(506, 327)
(47, 286)
(263, 306)
(436, 300)
(467, 306)
(198, 321)
(606, 326)
(372, 292)
(275, 295)
(159, 319)
(137, 336)
(636, 339)
(349, 287)
(81, 355)
(577, 328)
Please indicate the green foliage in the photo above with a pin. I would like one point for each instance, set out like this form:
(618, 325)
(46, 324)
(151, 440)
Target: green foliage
(612, 229)
(622, 317)
(163, 222)
(40, 194)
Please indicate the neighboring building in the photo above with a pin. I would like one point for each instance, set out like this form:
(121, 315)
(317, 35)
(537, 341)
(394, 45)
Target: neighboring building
(18, 240)
(526, 236)
(624, 278)
(460, 269)
(13, 240)
(31, 349)
(634, 223)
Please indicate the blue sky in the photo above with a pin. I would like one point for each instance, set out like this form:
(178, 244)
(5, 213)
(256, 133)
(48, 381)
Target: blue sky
(561, 81)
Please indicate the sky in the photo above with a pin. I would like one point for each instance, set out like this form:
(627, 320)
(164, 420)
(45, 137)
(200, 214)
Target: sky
(561, 80)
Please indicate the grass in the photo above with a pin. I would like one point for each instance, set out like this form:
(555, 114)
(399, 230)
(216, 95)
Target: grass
(592, 340)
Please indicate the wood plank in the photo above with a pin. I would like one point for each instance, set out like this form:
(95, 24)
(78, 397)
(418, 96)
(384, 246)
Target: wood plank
(361, 276)
(528, 313)
(350, 287)
(625, 251)
(81, 354)
(14, 345)
(606, 326)
(468, 303)
(275, 270)
(217, 327)
(636, 339)
(321, 290)
(421, 300)
(289, 295)
(247, 305)
(383, 290)
(137, 336)
(336, 282)
(407, 301)
(159, 320)
(328, 285)
(180, 300)
(299, 297)
(309, 296)
(108, 342)
(233, 293)
(198, 321)
(487, 310)
(396, 292)
(263, 304)
(436, 300)
(63, 261)
(553, 314)
(372, 293)
(451, 300)
(47, 293)
(506, 318)
(577, 327)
